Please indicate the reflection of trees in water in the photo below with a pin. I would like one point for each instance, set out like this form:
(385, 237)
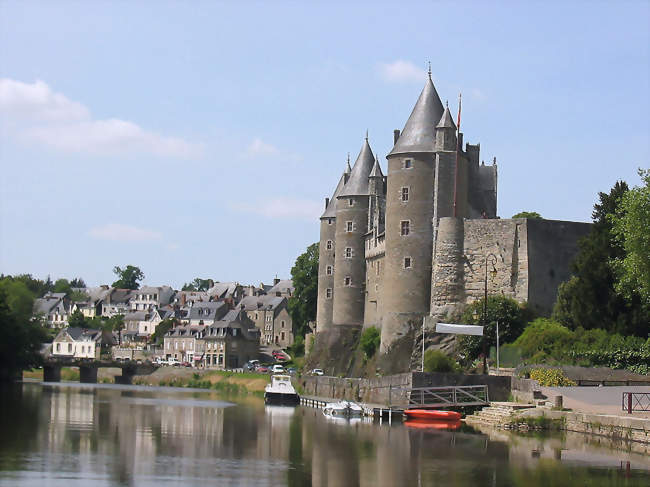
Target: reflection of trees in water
(19, 423)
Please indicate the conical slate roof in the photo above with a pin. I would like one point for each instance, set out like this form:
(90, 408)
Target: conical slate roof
(446, 121)
(357, 184)
(348, 169)
(418, 133)
(330, 211)
(376, 170)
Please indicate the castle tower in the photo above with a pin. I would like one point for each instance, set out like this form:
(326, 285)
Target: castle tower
(351, 226)
(409, 214)
(325, 303)
(377, 203)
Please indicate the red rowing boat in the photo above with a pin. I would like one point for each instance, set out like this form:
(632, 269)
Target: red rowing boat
(432, 414)
(432, 424)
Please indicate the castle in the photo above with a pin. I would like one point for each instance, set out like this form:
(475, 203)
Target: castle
(419, 241)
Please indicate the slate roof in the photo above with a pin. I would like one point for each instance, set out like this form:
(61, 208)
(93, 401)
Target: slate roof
(446, 121)
(376, 170)
(136, 316)
(206, 311)
(284, 286)
(223, 289)
(418, 133)
(79, 334)
(357, 184)
(330, 211)
(254, 303)
(48, 302)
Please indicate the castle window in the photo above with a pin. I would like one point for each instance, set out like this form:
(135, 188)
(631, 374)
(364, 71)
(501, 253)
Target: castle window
(404, 227)
(351, 202)
(328, 293)
(405, 194)
(329, 221)
(407, 262)
(328, 270)
(328, 245)
(348, 226)
(347, 281)
(408, 164)
(348, 252)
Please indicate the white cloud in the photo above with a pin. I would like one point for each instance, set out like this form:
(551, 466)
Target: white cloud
(283, 207)
(401, 71)
(261, 148)
(38, 114)
(117, 232)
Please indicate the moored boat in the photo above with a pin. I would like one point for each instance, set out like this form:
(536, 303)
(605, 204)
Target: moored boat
(432, 424)
(432, 414)
(346, 409)
(280, 391)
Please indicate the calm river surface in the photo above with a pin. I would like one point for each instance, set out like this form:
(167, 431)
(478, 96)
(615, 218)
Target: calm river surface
(96, 435)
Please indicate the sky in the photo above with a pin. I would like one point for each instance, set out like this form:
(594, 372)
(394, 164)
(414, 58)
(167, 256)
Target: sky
(199, 139)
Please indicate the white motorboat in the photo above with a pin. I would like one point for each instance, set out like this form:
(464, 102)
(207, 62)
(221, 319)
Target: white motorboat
(280, 391)
(344, 409)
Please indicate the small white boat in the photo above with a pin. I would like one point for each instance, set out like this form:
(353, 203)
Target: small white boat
(280, 391)
(344, 409)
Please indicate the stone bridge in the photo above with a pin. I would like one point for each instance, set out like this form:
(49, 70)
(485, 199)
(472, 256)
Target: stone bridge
(88, 369)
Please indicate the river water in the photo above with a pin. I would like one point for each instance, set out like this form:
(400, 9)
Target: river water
(98, 435)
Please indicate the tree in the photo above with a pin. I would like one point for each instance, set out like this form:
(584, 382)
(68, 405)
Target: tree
(62, 286)
(589, 299)
(533, 215)
(20, 335)
(631, 231)
(302, 304)
(512, 318)
(128, 278)
(18, 298)
(370, 341)
(78, 320)
(163, 327)
(198, 284)
(77, 282)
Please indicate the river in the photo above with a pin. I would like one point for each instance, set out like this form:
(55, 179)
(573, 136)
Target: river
(105, 435)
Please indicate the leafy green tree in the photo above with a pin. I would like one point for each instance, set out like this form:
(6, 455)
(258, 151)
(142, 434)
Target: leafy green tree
(589, 298)
(163, 327)
(370, 340)
(62, 286)
(129, 277)
(78, 320)
(198, 284)
(528, 214)
(544, 339)
(77, 282)
(20, 335)
(302, 304)
(631, 229)
(512, 318)
(18, 298)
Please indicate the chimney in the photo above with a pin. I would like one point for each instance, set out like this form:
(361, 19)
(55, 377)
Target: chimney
(275, 281)
(327, 202)
(395, 136)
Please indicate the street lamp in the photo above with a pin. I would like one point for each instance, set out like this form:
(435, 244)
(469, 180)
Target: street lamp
(492, 260)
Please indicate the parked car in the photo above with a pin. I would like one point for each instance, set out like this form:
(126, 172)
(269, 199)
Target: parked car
(292, 371)
(263, 369)
(186, 364)
(317, 372)
(173, 361)
(161, 361)
(277, 369)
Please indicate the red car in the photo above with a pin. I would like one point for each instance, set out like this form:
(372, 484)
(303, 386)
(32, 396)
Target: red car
(262, 369)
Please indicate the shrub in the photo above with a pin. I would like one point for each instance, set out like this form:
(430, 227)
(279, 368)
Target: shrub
(370, 340)
(298, 347)
(437, 361)
(551, 377)
(544, 339)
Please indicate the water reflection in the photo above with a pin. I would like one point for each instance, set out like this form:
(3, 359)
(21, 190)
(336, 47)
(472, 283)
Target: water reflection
(111, 435)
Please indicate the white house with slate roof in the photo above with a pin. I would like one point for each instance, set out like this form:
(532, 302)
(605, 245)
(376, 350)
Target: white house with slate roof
(79, 343)
(53, 308)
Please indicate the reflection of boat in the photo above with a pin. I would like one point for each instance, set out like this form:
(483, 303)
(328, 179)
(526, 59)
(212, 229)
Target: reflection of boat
(280, 391)
(345, 409)
(432, 414)
(432, 424)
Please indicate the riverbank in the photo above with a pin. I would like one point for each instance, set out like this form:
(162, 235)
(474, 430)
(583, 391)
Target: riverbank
(225, 381)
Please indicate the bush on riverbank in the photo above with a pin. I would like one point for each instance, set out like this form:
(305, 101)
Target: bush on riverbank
(551, 377)
(437, 361)
(547, 341)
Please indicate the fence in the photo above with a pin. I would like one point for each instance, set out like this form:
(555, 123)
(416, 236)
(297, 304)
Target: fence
(636, 401)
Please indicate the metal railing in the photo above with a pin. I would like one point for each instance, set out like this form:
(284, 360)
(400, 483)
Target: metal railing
(636, 401)
(449, 396)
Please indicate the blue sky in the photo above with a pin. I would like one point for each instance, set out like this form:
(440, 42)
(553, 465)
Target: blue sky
(200, 138)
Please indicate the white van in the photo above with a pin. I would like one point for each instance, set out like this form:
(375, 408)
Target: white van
(277, 369)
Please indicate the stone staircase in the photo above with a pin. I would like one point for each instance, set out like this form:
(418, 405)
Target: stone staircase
(497, 413)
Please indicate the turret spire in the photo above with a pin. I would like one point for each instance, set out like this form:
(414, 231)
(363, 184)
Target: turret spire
(357, 184)
(348, 169)
(376, 170)
(418, 134)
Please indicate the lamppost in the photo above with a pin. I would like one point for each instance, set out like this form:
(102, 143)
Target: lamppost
(492, 260)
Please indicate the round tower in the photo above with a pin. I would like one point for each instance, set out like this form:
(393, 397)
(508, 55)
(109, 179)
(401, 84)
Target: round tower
(409, 214)
(447, 286)
(351, 226)
(325, 302)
